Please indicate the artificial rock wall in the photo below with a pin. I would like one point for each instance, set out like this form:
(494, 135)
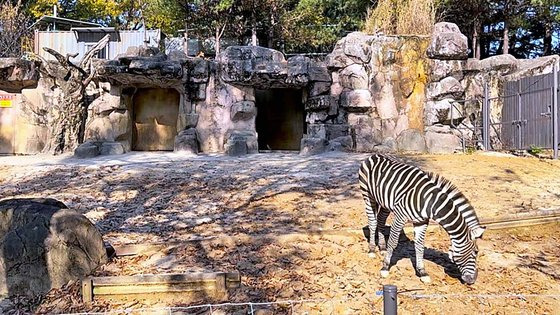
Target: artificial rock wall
(372, 93)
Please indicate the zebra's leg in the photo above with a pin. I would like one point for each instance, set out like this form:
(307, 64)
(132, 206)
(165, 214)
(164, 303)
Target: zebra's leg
(381, 220)
(371, 212)
(419, 236)
(396, 229)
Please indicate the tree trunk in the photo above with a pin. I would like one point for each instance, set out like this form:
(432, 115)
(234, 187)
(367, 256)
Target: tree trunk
(547, 40)
(254, 35)
(217, 40)
(67, 117)
(186, 39)
(476, 39)
(505, 47)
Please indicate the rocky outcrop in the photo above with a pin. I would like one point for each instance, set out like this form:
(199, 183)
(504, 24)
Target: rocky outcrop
(17, 74)
(379, 82)
(43, 245)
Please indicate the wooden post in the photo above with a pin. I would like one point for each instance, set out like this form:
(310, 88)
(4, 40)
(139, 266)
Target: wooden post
(87, 290)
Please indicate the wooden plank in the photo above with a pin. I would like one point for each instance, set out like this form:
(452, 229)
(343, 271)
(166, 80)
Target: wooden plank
(212, 283)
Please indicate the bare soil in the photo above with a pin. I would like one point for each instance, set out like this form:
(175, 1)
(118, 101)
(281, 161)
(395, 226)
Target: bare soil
(281, 194)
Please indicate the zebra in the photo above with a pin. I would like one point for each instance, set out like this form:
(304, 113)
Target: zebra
(388, 185)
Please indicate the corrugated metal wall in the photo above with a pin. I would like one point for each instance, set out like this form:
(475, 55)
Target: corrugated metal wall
(67, 42)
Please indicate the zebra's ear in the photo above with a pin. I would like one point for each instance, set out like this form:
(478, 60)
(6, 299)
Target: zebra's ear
(477, 232)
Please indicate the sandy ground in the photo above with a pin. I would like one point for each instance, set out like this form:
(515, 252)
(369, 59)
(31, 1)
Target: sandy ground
(138, 198)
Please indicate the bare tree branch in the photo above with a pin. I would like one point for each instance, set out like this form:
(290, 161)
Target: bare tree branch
(85, 63)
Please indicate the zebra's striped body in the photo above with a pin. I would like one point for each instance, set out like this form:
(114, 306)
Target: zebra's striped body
(414, 195)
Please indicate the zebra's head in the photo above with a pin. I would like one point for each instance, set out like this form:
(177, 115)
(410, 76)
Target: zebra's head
(465, 255)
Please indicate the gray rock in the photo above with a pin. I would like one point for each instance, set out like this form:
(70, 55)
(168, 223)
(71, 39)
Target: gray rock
(365, 131)
(247, 136)
(45, 245)
(440, 69)
(442, 140)
(186, 141)
(504, 64)
(243, 110)
(236, 147)
(318, 72)
(311, 146)
(318, 88)
(17, 74)
(441, 112)
(448, 87)
(198, 70)
(334, 131)
(111, 148)
(337, 59)
(298, 70)
(357, 46)
(356, 100)
(411, 140)
(344, 144)
(354, 77)
(86, 150)
(319, 103)
(447, 43)
(317, 117)
(255, 66)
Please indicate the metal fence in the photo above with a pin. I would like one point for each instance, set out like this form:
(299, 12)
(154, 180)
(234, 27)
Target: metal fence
(525, 116)
(389, 301)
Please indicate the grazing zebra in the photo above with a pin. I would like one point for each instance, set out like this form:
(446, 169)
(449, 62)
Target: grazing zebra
(414, 195)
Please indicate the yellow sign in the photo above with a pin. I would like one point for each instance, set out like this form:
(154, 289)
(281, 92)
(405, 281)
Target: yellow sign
(6, 100)
(5, 103)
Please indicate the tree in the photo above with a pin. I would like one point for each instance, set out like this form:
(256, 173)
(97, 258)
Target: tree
(104, 12)
(68, 115)
(394, 17)
(14, 29)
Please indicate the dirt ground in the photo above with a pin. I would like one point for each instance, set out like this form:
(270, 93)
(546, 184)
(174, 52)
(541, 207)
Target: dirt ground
(280, 194)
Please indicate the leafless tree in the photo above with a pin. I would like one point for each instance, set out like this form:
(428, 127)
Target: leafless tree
(14, 29)
(67, 116)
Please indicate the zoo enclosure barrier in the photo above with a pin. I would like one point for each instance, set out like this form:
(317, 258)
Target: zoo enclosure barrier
(525, 116)
(388, 301)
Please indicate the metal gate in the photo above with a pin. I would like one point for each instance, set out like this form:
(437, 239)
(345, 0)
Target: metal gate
(529, 114)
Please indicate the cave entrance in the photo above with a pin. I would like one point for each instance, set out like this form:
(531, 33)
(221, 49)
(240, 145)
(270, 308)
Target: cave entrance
(155, 115)
(280, 121)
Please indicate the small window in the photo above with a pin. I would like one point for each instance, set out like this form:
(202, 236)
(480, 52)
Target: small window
(101, 54)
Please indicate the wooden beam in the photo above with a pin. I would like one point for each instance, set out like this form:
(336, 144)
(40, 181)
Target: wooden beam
(213, 284)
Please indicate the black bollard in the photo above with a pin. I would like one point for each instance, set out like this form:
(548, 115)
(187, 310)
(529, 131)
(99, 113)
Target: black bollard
(389, 299)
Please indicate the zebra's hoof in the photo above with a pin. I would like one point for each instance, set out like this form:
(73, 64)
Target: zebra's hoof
(426, 279)
(384, 273)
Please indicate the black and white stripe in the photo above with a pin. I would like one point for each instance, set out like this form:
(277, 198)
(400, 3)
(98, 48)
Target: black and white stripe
(414, 195)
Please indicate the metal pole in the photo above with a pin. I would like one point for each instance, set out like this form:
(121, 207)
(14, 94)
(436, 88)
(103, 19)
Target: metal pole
(555, 108)
(389, 299)
(485, 119)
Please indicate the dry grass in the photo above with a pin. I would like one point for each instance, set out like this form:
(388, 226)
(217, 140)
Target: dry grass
(402, 17)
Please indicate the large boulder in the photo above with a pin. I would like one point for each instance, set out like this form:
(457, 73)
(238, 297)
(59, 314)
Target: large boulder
(356, 100)
(44, 245)
(443, 140)
(260, 67)
(440, 69)
(442, 112)
(448, 87)
(411, 140)
(448, 43)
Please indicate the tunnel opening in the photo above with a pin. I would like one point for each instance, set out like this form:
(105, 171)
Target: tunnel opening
(280, 120)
